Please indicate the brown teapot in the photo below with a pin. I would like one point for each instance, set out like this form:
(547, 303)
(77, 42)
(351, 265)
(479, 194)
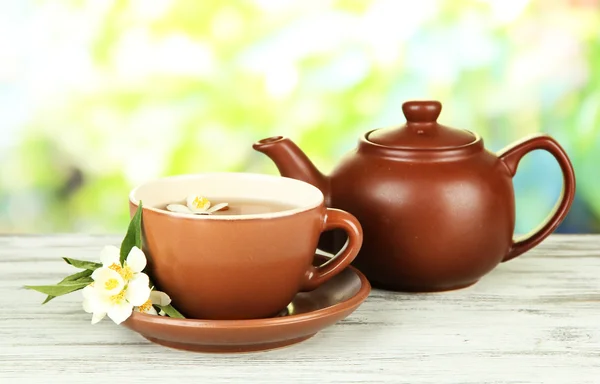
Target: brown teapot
(436, 207)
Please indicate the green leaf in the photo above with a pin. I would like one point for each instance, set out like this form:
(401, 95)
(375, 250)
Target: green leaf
(87, 280)
(83, 276)
(77, 276)
(82, 264)
(171, 312)
(59, 290)
(133, 238)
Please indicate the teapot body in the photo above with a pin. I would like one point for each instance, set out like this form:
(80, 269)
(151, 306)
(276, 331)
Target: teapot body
(437, 209)
(429, 224)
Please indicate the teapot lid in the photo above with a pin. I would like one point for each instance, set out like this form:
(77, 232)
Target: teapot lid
(421, 130)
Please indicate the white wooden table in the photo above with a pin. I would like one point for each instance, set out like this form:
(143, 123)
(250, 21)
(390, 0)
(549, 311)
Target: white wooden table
(533, 320)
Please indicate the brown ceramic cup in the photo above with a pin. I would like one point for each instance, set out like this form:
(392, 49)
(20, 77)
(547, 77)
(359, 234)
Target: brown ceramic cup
(239, 266)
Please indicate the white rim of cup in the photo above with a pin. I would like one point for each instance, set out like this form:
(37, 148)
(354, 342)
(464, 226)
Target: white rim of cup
(317, 201)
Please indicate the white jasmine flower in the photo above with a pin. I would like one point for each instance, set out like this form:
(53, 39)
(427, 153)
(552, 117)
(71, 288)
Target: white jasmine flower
(117, 288)
(196, 204)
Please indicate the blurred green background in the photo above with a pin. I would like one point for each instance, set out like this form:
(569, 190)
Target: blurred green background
(98, 96)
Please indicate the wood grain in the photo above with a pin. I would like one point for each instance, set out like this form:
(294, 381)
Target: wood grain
(535, 319)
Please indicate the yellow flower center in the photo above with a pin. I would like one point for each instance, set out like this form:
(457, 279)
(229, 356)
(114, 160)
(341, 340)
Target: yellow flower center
(146, 306)
(200, 202)
(118, 298)
(115, 267)
(125, 272)
(111, 284)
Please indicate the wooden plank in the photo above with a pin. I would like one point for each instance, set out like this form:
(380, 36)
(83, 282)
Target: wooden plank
(532, 320)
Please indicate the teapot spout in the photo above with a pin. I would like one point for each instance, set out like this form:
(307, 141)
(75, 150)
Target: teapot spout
(292, 162)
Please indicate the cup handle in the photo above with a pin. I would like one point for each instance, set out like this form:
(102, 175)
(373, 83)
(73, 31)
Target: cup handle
(336, 218)
(511, 156)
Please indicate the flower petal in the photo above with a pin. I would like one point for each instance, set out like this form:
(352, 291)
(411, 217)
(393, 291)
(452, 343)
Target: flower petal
(88, 307)
(94, 302)
(160, 298)
(136, 260)
(179, 208)
(110, 255)
(88, 291)
(98, 273)
(97, 316)
(137, 293)
(217, 207)
(120, 312)
(89, 299)
(140, 278)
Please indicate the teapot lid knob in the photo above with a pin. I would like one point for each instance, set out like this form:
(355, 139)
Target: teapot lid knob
(421, 130)
(421, 111)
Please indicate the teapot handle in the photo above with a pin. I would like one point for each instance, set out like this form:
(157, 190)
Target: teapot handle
(511, 156)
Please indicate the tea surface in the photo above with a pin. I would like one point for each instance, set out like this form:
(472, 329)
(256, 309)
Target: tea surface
(251, 206)
(246, 206)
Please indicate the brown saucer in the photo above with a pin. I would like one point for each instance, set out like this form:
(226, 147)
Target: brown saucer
(306, 315)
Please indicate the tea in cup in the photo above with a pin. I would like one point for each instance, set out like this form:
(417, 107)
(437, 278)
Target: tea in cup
(245, 262)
